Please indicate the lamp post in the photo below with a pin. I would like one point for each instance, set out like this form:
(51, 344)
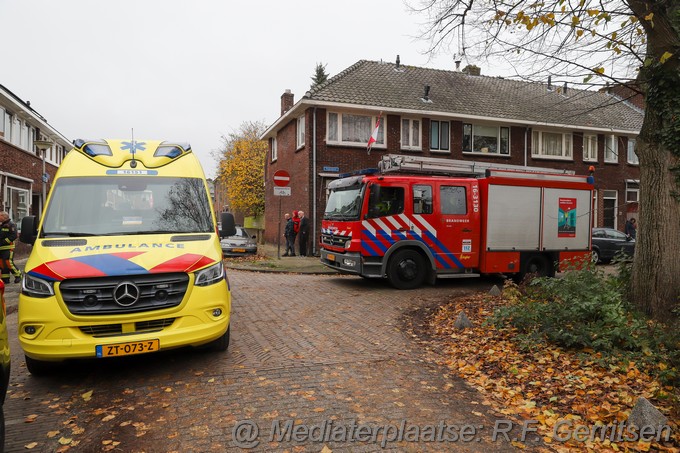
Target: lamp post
(43, 146)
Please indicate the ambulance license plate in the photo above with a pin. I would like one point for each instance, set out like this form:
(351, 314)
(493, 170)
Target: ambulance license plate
(330, 257)
(133, 347)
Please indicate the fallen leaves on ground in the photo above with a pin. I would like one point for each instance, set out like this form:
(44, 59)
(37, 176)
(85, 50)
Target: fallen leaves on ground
(548, 384)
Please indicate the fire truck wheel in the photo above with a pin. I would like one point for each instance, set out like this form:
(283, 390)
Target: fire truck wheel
(537, 265)
(406, 269)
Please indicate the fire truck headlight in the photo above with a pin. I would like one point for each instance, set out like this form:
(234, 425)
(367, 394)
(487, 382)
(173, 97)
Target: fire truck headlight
(349, 263)
(348, 243)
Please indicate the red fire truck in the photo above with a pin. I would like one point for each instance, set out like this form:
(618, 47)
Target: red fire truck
(417, 219)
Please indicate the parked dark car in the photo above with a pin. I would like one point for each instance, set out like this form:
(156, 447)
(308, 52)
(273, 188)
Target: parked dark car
(607, 242)
(240, 244)
(4, 363)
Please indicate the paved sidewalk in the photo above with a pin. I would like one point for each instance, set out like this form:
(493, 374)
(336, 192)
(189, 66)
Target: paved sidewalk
(270, 259)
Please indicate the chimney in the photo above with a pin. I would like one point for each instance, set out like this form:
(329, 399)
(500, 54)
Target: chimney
(398, 62)
(426, 94)
(457, 65)
(549, 83)
(565, 88)
(472, 70)
(287, 101)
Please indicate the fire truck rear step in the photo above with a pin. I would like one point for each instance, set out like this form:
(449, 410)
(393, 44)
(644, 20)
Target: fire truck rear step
(459, 275)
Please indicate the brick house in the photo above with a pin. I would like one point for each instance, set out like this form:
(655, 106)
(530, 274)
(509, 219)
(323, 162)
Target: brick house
(454, 115)
(21, 161)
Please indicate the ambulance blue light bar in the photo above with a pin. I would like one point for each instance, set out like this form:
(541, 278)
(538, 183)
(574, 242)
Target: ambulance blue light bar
(93, 149)
(172, 151)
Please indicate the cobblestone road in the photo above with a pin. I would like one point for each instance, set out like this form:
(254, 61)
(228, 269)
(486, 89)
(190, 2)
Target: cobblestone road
(322, 352)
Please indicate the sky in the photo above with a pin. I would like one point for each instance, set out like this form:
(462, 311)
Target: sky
(190, 71)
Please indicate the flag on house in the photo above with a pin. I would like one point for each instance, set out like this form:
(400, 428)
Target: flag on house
(374, 136)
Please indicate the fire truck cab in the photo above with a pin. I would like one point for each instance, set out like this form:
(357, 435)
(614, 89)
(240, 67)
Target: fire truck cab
(417, 219)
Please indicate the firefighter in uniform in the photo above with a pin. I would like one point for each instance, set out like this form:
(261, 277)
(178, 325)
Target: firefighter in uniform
(8, 234)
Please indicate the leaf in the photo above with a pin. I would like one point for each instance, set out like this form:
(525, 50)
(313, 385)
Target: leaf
(52, 434)
(108, 418)
(31, 418)
(65, 440)
(666, 55)
(31, 446)
(87, 395)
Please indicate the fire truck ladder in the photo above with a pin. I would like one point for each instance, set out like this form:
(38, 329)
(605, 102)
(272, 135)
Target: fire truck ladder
(440, 166)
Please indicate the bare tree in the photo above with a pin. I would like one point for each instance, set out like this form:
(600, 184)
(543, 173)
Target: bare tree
(635, 43)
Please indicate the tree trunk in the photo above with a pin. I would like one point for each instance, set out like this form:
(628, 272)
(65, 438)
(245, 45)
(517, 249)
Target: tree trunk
(656, 269)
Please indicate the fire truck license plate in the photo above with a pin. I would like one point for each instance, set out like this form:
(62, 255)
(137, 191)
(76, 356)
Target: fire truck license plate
(330, 257)
(133, 347)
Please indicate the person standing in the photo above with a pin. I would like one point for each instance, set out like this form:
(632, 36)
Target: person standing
(304, 233)
(631, 228)
(8, 234)
(289, 234)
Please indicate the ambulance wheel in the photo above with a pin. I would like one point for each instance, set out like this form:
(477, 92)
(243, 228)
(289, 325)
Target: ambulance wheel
(222, 343)
(406, 269)
(38, 367)
(537, 265)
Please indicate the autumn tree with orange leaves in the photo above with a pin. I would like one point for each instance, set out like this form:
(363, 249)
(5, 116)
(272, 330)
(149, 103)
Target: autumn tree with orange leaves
(591, 43)
(242, 168)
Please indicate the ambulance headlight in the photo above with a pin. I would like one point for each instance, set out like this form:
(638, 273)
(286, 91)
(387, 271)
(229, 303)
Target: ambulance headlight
(210, 275)
(36, 287)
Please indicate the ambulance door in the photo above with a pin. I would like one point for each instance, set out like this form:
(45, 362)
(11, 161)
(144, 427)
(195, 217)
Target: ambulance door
(459, 214)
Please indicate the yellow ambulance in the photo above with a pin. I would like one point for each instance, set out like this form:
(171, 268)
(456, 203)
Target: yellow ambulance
(126, 258)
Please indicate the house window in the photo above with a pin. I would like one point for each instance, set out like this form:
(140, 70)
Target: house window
(632, 156)
(611, 149)
(2, 122)
(486, 139)
(551, 144)
(17, 203)
(275, 152)
(301, 131)
(632, 191)
(440, 135)
(590, 148)
(351, 129)
(410, 134)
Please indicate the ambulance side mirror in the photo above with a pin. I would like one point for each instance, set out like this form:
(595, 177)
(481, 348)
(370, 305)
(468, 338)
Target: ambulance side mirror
(29, 229)
(228, 226)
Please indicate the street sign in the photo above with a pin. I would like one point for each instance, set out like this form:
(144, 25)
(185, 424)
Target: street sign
(281, 178)
(282, 191)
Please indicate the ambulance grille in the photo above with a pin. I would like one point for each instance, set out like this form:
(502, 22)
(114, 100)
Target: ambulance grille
(114, 330)
(135, 293)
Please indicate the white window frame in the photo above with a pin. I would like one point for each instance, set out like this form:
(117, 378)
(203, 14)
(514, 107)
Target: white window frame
(414, 139)
(632, 156)
(439, 149)
(300, 132)
(611, 149)
(612, 195)
(16, 211)
(2, 122)
(275, 151)
(589, 148)
(537, 145)
(380, 143)
(499, 130)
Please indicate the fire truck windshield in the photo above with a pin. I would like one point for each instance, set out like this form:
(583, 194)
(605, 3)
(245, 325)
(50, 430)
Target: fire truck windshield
(344, 203)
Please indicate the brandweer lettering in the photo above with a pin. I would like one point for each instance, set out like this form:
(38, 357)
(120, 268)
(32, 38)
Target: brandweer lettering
(154, 245)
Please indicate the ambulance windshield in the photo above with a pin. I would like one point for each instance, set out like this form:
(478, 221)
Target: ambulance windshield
(344, 203)
(95, 206)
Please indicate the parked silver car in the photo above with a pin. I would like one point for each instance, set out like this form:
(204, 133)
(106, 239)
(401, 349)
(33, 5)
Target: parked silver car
(242, 243)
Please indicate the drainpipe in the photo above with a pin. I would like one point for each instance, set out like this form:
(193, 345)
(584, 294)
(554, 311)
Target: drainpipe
(314, 182)
(526, 132)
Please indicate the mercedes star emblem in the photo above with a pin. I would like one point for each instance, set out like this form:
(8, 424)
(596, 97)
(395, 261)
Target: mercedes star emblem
(126, 294)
